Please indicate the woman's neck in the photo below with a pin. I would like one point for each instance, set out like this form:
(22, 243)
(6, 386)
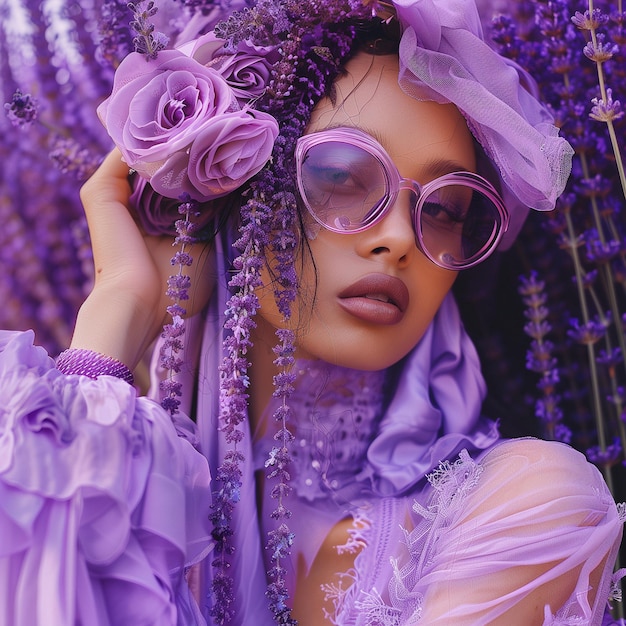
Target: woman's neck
(262, 371)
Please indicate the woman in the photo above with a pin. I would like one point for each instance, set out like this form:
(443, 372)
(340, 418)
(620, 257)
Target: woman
(360, 484)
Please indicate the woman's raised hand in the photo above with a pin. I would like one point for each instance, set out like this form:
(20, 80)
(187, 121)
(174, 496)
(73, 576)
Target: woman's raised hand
(127, 307)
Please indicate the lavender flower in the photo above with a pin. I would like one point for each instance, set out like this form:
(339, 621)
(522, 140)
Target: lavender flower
(115, 38)
(234, 383)
(539, 357)
(73, 158)
(599, 51)
(279, 544)
(146, 41)
(607, 456)
(178, 286)
(589, 21)
(588, 332)
(22, 110)
(608, 111)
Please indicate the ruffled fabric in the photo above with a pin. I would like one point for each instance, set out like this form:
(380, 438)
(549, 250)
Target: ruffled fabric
(102, 504)
(443, 57)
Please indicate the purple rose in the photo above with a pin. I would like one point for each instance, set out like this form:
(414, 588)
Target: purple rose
(247, 71)
(178, 123)
(158, 107)
(229, 150)
(247, 75)
(157, 214)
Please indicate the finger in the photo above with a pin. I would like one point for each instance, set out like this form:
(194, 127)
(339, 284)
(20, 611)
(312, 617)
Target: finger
(109, 181)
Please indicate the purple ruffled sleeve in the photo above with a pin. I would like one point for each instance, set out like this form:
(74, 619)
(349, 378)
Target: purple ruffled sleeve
(102, 505)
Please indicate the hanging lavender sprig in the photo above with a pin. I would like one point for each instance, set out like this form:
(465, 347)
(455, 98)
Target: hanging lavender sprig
(541, 360)
(300, 61)
(178, 291)
(234, 383)
(283, 246)
(146, 40)
(281, 539)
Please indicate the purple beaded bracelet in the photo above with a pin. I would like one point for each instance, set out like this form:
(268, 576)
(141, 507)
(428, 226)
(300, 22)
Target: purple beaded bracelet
(92, 364)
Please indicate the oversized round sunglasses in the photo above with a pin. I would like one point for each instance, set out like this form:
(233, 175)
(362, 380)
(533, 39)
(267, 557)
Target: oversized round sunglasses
(348, 183)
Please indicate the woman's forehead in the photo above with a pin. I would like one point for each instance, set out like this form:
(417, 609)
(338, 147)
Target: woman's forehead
(367, 96)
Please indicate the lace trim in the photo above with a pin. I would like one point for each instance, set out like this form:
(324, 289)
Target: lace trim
(361, 526)
(359, 538)
(337, 413)
(377, 612)
(358, 602)
(565, 617)
(616, 588)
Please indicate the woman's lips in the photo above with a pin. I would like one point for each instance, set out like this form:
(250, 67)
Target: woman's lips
(376, 298)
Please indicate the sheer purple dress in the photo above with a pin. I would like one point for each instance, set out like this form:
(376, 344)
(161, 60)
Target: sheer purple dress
(443, 509)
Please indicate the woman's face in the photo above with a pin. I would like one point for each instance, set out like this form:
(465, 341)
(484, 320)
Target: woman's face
(368, 298)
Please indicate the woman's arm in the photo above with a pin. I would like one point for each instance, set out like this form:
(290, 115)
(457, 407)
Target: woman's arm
(127, 306)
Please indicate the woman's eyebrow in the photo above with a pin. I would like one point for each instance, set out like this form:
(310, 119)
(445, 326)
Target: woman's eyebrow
(440, 166)
(372, 132)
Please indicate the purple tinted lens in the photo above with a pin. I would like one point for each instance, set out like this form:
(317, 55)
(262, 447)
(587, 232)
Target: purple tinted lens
(458, 225)
(343, 185)
(348, 187)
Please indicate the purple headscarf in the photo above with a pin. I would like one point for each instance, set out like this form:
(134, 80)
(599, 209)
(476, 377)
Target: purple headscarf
(444, 58)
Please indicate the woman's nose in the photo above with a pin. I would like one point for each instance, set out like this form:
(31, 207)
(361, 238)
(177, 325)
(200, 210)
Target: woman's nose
(393, 237)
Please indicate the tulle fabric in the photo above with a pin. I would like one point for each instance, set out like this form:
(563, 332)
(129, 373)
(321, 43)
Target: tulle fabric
(102, 504)
(519, 532)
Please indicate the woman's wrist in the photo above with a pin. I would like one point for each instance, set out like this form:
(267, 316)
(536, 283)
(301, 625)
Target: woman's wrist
(118, 326)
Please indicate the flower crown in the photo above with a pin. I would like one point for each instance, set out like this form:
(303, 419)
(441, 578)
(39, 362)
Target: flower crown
(192, 122)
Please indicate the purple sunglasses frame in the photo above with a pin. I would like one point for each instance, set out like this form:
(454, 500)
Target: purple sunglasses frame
(395, 183)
